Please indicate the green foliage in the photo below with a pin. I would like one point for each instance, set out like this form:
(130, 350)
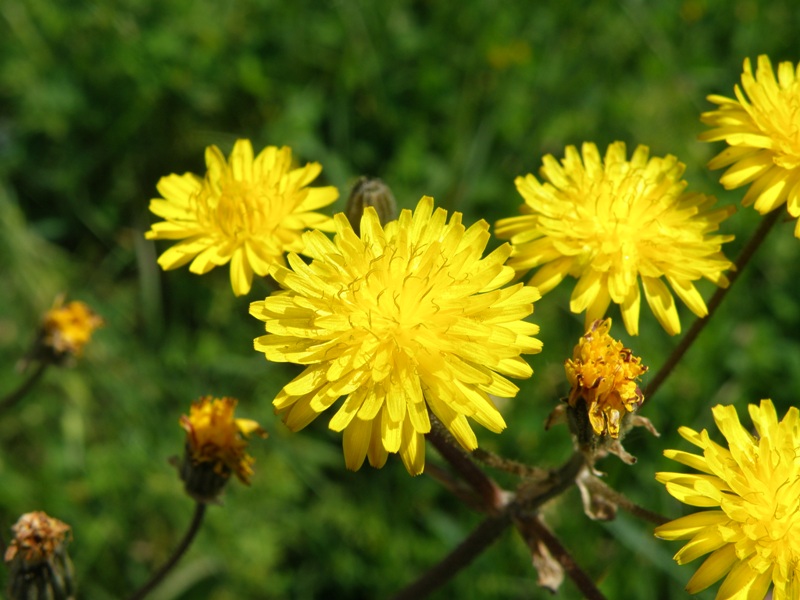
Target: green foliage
(100, 99)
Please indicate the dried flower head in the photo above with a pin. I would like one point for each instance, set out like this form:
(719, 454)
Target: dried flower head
(401, 320)
(612, 222)
(752, 530)
(39, 566)
(603, 375)
(247, 211)
(762, 130)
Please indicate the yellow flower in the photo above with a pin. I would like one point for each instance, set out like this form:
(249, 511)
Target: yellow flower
(753, 531)
(247, 211)
(399, 321)
(762, 130)
(67, 329)
(603, 374)
(214, 437)
(612, 222)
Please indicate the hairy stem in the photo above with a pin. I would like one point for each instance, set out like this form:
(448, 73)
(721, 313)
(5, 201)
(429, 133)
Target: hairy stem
(741, 262)
(19, 393)
(158, 576)
(473, 546)
(491, 495)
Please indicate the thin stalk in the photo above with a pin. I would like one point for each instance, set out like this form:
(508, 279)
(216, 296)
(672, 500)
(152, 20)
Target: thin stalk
(495, 461)
(188, 537)
(741, 262)
(490, 493)
(19, 393)
(532, 529)
(473, 546)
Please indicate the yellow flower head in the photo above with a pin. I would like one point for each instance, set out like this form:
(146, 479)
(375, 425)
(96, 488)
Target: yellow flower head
(214, 437)
(610, 222)
(37, 538)
(752, 487)
(399, 320)
(762, 130)
(66, 329)
(603, 374)
(247, 211)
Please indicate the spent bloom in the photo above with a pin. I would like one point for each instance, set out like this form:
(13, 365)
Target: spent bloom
(247, 210)
(66, 329)
(603, 374)
(39, 566)
(762, 130)
(216, 445)
(610, 222)
(752, 530)
(399, 320)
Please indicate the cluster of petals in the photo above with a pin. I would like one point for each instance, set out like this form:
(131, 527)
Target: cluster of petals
(37, 537)
(214, 436)
(603, 374)
(247, 211)
(399, 321)
(612, 222)
(761, 127)
(67, 328)
(751, 531)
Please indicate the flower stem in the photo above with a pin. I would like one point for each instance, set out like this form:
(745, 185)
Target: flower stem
(19, 393)
(158, 576)
(491, 495)
(473, 546)
(532, 528)
(741, 262)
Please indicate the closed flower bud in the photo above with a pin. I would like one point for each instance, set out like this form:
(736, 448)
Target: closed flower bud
(374, 193)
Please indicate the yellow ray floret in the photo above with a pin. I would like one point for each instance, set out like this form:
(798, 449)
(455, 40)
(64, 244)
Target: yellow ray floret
(762, 129)
(612, 222)
(752, 533)
(247, 211)
(399, 321)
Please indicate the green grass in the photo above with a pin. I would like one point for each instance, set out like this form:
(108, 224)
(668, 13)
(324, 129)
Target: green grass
(100, 99)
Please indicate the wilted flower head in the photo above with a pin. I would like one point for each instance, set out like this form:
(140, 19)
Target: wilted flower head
(247, 211)
(216, 445)
(612, 222)
(66, 329)
(38, 561)
(752, 531)
(400, 320)
(603, 376)
(762, 130)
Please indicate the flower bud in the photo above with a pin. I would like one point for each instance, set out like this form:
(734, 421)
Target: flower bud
(374, 193)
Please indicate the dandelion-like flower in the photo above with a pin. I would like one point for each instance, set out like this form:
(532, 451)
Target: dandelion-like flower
(398, 321)
(603, 374)
(216, 446)
(762, 130)
(247, 211)
(752, 487)
(611, 222)
(66, 329)
(39, 565)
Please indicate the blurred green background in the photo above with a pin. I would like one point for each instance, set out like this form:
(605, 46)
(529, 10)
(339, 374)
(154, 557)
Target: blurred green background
(99, 99)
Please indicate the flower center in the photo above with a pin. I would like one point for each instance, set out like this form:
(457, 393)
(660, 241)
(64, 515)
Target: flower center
(781, 121)
(394, 301)
(238, 210)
